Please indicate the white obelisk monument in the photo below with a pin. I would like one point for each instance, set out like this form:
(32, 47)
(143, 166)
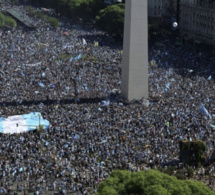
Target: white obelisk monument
(135, 51)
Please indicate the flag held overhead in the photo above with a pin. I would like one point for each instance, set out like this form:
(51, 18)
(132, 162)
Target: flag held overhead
(22, 123)
(204, 111)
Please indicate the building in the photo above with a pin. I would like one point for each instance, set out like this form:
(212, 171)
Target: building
(197, 19)
(162, 11)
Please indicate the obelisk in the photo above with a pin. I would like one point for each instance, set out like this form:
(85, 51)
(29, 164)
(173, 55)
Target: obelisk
(135, 51)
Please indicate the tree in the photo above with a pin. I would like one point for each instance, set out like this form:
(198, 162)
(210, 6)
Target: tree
(54, 22)
(108, 190)
(156, 189)
(75, 9)
(96, 6)
(14, 2)
(192, 152)
(80, 9)
(7, 21)
(2, 19)
(151, 182)
(10, 22)
(111, 19)
(190, 172)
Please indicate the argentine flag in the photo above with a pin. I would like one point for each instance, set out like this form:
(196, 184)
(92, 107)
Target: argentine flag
(204, 111)
(22, 123)
(78, 57)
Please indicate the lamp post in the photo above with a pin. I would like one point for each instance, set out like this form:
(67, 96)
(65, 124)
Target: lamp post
(184, 79)
(189, 71)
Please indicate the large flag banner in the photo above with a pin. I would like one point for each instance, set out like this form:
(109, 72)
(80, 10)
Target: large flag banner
(22, 123)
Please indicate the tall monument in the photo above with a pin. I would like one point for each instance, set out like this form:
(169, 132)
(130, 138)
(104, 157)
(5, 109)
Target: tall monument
(135, 51)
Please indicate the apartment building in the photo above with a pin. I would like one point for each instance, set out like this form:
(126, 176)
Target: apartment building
(165, 10)
(197, 20)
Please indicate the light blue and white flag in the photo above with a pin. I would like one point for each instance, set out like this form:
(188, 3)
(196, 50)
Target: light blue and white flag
(167, 86)
(41, 84)
(85, 87)
(105, 103)
(71, 59)
(76, 136)
(213, 126)
(22, 123)
(204, 111)
(78, 57)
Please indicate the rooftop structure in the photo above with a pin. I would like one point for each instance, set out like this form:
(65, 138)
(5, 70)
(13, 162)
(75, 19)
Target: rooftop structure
(197, 21)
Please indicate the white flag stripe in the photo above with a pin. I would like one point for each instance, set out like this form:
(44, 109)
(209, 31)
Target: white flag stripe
(10, 124)
(22, 123)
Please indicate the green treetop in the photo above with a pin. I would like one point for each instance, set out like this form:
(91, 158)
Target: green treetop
(151, 182)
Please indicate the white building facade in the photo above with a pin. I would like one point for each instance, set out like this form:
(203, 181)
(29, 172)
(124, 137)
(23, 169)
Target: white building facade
(197, 20)
(162, 8)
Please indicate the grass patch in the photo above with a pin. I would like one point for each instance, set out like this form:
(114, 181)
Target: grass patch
(1, 19)
(64, 57)
(89, 58)
(54, 22)
(42, 45)
(84, 57)
(10, 22)
(31, 11)
(7, 21)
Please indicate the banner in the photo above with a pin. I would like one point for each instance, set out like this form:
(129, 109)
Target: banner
(23, 123)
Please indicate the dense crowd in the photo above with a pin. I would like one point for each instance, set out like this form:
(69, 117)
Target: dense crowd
(69, 79)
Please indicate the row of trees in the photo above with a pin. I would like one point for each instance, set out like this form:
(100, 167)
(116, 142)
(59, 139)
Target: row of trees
(109, 18)
(192, 152)
(163, 181)
(151, 182)
(75, 9)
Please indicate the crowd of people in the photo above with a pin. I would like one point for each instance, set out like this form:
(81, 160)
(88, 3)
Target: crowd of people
(75, 84)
